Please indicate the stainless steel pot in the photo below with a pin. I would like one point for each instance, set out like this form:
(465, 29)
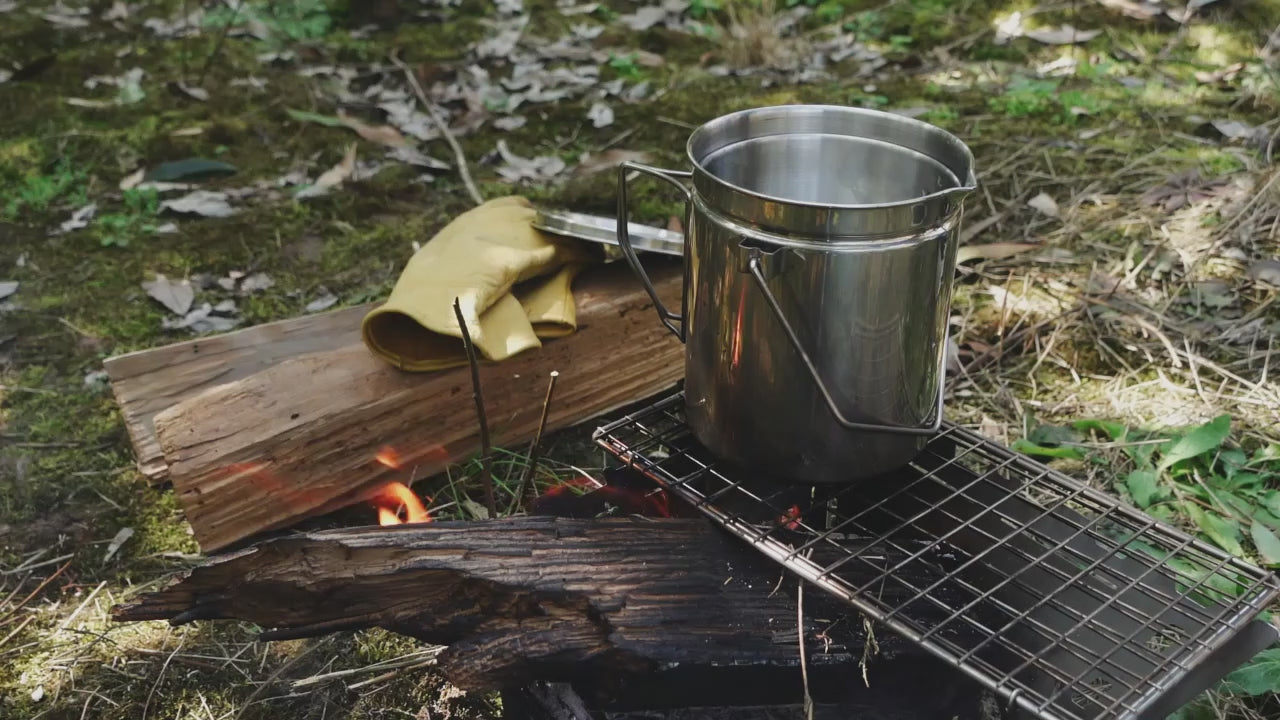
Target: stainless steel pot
(819, 254)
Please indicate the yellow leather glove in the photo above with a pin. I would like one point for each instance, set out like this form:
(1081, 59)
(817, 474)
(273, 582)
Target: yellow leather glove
(513, 282)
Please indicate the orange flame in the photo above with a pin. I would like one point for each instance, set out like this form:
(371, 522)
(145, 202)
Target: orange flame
(394, 497)
(388, 457)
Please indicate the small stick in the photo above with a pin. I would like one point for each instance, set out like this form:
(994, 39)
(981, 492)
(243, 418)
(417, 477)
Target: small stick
(16, 630)
(804, 666)
(217, 46)
(35, 592)
(537, 440)
(458, 155)
(486, 454)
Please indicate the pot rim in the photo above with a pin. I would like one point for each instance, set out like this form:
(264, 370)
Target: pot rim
(966, 185)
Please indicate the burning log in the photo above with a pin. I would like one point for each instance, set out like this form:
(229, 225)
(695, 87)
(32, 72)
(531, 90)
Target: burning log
(528, 599)
(311, 434)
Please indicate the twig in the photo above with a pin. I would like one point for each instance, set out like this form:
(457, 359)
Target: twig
(804, 665)
(222, 38)
(418, 658)
(51, 561)
(486, 454)
(186, 25)
(458, 155)
(16, 630)
(67, 623)
(278, 671)
(35, 592)
(159, 678)
(537, 441)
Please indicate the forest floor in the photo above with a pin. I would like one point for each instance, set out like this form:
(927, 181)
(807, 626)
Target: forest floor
(1118, 281)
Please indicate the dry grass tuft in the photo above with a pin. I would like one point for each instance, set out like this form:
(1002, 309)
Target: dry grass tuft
(756, 35)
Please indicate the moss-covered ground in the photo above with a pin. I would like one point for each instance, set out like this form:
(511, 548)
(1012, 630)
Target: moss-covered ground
(1153, 315)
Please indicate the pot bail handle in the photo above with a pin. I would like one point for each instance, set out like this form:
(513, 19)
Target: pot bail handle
(754, 266)
(624, 237)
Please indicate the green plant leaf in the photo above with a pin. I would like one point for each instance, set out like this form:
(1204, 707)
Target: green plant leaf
(1144, 487)
(1266, 542)
(1267, 518)
(1224, 532)
(1240, 481)
(1266, 454)
(1023, 445)
(1271, 502)
(188, 169)
(1232, 461)
(1051, 435)
(304, 116)
(1197, 442)
(1259, 676)
(1238, 504)
(1112, 430)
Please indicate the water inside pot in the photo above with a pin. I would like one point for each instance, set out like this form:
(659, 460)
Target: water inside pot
(829, 169)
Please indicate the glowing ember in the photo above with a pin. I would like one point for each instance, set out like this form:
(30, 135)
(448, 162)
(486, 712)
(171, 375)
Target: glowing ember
(791, 518)
(584, 497)
(395, 497)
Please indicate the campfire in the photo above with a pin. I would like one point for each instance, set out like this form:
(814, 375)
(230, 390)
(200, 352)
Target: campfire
(735, 483)
(616, 594)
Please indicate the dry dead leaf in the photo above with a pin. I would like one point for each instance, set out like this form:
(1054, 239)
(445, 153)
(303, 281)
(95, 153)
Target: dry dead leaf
(381, 134)
(333, 177)
(1184, 188)
(520, 168)
(80, 218)
(206, 203)
(256, 282)
(176, 296)
(509, 123)
(206, 318)
(590, 164)
(133, 179)
(119, 10)
(644, 18)
(1233, 129)
(600, 115)
(1045, 204)
(1139, 10)
(117, 542)
(415, 157)
(1266, 271)
(1061, 35)
(196, 93)
(325, 301)
(992, 251)
(1221, 75)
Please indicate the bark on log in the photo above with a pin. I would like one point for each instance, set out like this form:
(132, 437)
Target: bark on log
(528, 599)
(301, 438)
(146, 382)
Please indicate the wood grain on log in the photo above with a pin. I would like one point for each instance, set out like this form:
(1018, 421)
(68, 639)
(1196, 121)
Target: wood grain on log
(526, 599)
(148, 381)
(302, 437)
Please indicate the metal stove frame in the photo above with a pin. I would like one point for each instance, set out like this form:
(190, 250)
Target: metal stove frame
(1065, 602)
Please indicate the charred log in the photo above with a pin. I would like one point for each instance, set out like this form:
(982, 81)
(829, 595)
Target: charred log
(525, 599)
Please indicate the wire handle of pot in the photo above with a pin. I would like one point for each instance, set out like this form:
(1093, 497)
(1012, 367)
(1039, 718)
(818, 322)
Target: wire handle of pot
(757, 272)
(624, 237)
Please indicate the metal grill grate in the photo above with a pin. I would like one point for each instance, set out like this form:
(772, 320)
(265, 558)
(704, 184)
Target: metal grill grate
(1067, 603)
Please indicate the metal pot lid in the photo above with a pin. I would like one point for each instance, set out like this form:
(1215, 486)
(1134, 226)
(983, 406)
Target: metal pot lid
(601, 229)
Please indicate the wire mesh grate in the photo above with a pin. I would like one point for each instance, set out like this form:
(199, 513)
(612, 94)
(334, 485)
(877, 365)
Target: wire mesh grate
(1069, 604)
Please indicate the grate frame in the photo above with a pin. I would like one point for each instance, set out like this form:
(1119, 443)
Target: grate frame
(963, 539)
